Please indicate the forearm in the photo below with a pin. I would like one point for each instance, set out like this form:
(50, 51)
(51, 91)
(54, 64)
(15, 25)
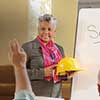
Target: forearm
(22, 80)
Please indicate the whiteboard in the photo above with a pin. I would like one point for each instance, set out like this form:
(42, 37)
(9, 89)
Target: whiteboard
(46, 98)
(87, 53)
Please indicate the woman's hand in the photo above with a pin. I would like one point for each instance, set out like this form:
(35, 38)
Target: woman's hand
(17, 56)
(70, 74)
(67, 75)
(49, 70)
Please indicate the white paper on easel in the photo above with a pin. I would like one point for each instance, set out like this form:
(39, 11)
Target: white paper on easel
(46, 98)
(87, 53)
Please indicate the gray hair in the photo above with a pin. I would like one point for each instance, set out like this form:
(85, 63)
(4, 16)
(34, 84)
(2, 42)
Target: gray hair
(48, 18)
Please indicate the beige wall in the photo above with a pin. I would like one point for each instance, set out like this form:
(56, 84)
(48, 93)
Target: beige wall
(13, 24)
(66, 13)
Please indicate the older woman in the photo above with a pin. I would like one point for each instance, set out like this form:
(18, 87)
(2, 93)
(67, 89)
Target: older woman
(17, 57)
(42, 56)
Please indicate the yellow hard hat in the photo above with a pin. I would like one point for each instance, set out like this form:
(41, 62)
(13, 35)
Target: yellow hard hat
(66, 65)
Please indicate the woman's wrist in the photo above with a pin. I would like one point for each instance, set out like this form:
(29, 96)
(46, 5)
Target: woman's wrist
(20, 67)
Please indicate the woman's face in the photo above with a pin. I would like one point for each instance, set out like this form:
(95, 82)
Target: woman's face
(46, 31)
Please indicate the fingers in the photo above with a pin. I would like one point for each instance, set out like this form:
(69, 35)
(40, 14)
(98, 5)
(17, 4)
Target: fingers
(22, 50)
(18, 47)
(10, 48)
(70, 74)
(48, 71)
(53, 66)
(14, 46)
